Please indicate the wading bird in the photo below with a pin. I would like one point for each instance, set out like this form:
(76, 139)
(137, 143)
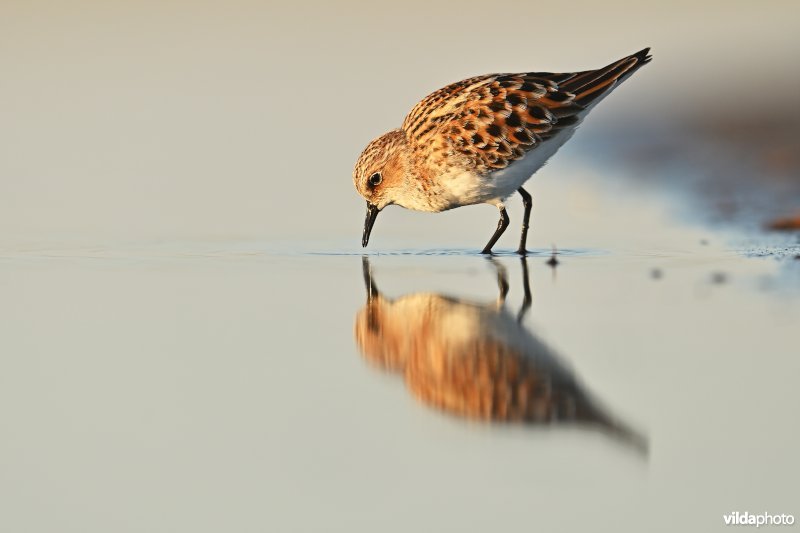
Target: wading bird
(479, 140)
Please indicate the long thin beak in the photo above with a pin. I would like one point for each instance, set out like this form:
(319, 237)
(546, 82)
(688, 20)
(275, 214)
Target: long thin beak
(369, 221)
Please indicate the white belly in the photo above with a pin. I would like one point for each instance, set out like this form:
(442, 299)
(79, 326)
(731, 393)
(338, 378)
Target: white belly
(506, 181)
(468, 188)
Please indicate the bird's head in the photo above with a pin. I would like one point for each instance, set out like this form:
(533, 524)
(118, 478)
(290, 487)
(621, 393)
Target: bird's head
(382, 174)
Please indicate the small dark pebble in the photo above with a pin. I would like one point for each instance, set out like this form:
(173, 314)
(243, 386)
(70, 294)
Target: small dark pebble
(656, 273)
(718, 278)
(704, 242)
(797, 256)
(552, 262)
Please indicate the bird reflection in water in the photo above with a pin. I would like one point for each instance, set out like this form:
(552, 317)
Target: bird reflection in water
(477, 360)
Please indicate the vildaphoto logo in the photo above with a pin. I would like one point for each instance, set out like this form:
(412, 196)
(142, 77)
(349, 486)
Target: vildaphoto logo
(764, 519)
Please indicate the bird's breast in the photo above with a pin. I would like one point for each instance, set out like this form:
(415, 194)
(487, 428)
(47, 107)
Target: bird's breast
(464, 187)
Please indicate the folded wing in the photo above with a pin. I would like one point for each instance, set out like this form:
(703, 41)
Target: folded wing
(496, 119)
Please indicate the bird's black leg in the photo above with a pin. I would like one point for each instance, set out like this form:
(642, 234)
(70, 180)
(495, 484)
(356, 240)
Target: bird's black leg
(528, 203)
(501, 227)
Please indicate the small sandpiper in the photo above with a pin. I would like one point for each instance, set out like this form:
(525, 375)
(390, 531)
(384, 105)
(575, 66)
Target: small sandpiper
(479, 140)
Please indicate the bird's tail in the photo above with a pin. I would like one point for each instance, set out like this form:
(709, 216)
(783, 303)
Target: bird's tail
(590, 85)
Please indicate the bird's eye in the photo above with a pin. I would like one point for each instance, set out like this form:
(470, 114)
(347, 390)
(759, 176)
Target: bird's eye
(375, 179)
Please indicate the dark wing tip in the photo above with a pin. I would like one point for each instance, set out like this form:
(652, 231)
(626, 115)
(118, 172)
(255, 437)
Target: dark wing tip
(588, 86)
(642, 56)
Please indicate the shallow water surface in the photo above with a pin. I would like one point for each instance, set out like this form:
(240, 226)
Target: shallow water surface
(192, 386)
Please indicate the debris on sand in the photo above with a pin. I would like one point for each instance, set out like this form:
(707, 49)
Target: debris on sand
(718, 278)
(553, 262)
(785, 224)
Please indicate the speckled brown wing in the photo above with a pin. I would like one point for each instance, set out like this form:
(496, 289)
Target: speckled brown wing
(491, 120)
(495, 119)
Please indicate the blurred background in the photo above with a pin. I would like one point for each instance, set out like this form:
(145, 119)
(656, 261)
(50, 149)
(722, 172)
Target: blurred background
(172, 120)
(187, 341)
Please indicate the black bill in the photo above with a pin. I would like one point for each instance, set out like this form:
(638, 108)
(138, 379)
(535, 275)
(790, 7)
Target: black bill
(369, 221)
